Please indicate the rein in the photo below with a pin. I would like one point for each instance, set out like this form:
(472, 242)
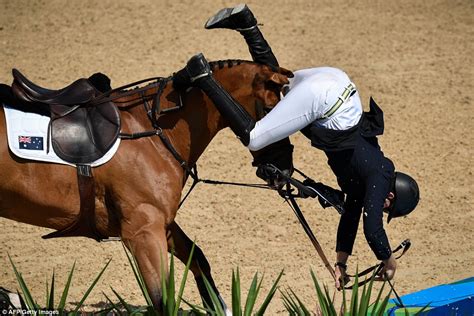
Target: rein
(106, 96)
(196, 180)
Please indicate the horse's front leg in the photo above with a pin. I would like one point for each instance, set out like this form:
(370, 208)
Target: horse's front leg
(145, 236)
(182, 245)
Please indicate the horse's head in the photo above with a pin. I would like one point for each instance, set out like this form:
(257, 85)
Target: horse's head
(268, 86)
(258, 89)
(255, 86)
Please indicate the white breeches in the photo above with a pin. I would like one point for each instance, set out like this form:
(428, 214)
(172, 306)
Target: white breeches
(306, 103)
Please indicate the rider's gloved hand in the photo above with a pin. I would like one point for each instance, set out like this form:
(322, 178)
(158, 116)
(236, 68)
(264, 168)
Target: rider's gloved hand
(308, 183)
(332, 197)
(272, 175)
(388, 270)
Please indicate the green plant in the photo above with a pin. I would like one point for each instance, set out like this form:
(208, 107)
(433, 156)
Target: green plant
(358, 305)
(30, 304)
(172, 299)
(252, 295)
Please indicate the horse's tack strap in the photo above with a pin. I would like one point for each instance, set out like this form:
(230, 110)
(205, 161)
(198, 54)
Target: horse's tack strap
(107, 96)
(294, 206)
(84, 224)
(404, 246)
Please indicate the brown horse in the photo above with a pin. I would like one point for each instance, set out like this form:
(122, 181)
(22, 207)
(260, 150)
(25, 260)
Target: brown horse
(138, 192)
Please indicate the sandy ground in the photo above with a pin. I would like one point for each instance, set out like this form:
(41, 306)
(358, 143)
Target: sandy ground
(414, 57)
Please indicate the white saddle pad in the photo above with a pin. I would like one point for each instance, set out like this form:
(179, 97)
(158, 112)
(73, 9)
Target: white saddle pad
(27, 135)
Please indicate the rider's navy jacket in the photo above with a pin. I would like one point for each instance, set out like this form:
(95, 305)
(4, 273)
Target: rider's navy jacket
(364, 174)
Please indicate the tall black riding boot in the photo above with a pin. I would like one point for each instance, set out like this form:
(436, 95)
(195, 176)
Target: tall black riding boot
(242, 20)
(200, 75)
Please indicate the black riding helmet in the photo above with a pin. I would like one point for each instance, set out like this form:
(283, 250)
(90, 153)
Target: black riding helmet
(406, 198)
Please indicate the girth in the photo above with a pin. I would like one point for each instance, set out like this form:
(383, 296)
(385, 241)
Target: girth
(79, 132)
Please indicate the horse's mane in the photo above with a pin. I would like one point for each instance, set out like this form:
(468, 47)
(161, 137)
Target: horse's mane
(219, 64)
(229, 63)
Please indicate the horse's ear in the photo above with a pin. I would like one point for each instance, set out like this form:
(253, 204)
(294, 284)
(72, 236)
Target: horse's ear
(269, 84)
(281, 76)
(279, 79)
(286, 72)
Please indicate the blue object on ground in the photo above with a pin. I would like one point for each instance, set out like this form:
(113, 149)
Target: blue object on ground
(447, 299)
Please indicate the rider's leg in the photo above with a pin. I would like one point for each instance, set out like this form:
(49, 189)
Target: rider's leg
(198, 73)
(241, 19)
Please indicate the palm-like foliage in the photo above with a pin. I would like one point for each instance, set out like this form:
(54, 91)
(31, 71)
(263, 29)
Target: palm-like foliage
(172, 299)
(359, 305)
(28, 303)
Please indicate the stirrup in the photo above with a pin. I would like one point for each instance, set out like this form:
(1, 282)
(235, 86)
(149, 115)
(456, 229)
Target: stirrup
(229, 18)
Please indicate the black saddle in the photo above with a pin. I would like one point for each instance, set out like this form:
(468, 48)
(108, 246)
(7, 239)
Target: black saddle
(80, 133)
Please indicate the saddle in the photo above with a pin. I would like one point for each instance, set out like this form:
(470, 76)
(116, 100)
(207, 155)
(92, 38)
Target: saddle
(81, 132)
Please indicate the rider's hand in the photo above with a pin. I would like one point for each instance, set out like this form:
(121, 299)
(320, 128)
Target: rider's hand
(341, 269)
(388, 271)
(341, 276)
(271, 175)
(307, 183)
(332, 197)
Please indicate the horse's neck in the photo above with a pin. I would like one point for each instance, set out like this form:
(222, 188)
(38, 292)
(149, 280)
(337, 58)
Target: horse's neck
(192, 128)
(200, 121)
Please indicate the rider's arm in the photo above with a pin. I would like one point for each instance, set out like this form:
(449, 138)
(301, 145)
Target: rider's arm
(346, 234)
(377, 188)
(348, 224)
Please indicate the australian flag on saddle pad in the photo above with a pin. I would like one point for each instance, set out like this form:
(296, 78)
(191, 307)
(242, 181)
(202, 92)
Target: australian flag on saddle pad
(30, 142)
(27, 135)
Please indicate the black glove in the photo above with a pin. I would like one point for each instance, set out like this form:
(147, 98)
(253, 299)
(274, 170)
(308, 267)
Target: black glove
(266, 173)
(269, 173)
(327, 196)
